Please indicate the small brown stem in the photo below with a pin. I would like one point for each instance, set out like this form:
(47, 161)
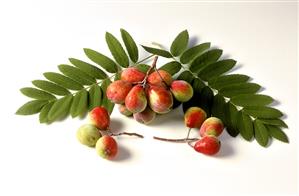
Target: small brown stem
(183, 140)
(189, 143)
(143, 82)
(162, 79)
(188, 133)
(127, 133)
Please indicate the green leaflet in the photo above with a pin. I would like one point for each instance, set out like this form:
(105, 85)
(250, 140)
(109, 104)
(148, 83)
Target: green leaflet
(277, 133)
(191, 53)
(60, 108)
(117, 50)
(203, 60)
(31, 107)
(251, 100)
(36, 93)
(261, 133)
(262, 112)
(157, 51)
(277, 122)
(63, 81)
(237, 89)
(245, 126)
(206, 100)
(197, 85)
(50, 87)
(94, 96)
(226, 80)
(79, 104)
(216, 69)
(143, 67)
(231, 119)
(187, 76)
(130, 45)
(172, 67)
(180, 43)
(43, 115)
(105, 101)
(218, 107)
(102, 60)
(88, 68)
(76, 74)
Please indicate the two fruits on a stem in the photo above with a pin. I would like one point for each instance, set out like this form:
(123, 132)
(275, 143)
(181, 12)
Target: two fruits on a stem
(144, 95)
(209, 130)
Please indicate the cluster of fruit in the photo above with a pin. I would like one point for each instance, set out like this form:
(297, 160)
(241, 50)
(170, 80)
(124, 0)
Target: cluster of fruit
(209, 130)
(90, 134)
(144, 95)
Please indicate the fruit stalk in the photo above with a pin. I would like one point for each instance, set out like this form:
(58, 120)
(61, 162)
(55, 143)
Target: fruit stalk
(127, 133)
(148, 71)
(183, 140)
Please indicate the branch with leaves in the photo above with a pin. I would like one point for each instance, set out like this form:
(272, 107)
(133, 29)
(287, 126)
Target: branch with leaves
(80, 86)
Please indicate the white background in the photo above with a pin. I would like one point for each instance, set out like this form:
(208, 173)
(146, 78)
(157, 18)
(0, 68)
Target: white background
(38, 159)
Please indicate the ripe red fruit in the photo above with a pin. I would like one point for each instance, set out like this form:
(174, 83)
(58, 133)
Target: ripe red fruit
(208, 145)
(106, 147)
(194, 117)
(132, 75)
(100, 118)
(211, 126)
(118, 90)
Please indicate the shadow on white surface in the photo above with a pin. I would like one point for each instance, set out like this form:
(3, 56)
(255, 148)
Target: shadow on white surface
(123, 154)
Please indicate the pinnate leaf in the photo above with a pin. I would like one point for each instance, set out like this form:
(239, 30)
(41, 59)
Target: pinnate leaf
(94, 96)
(216, 69)
(203, 60)
(187, 76)
(79, 104)
(180, 43)
(36, 93)
(172, 67)
(31, 107)
(63, 81)
(117, 50)
(106, 102)
(143, 67)
(60, 108)
(261, 133)
(88, 68)
(157, 51)
(278, 122)
(251, 100)
(102, 60)
(130, 45)
(50, 87)
(76, 74)
(191, 53)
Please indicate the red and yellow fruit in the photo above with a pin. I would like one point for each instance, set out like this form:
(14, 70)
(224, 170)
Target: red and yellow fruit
(211, 126)
(100, 118)
(106, 147)
(136, 99)
(132, 75)
(118, 90)
(160, 99)
(208, 145)
(155, 78)
(194, 117)
(124, 110)
(145, 117)
(181, 90)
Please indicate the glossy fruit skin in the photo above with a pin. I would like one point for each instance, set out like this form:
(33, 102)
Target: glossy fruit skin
(181, 90)
(106, 147)
(145, 117)
(208, 145)
(124, 110)
(211, 126)
(88, 135)
(194, 117)
(118, 90)
(136, 99)
(132, 75)
(160, 99)
(100, 118)
(155, 79)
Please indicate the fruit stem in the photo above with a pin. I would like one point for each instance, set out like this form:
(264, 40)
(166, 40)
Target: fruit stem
(188, 133)
(142, 60)
(162, 79)
(184, 140)
(127, 133)
(143, 82)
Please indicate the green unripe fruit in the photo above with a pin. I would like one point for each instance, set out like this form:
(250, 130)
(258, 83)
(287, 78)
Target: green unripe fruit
(88, 135)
